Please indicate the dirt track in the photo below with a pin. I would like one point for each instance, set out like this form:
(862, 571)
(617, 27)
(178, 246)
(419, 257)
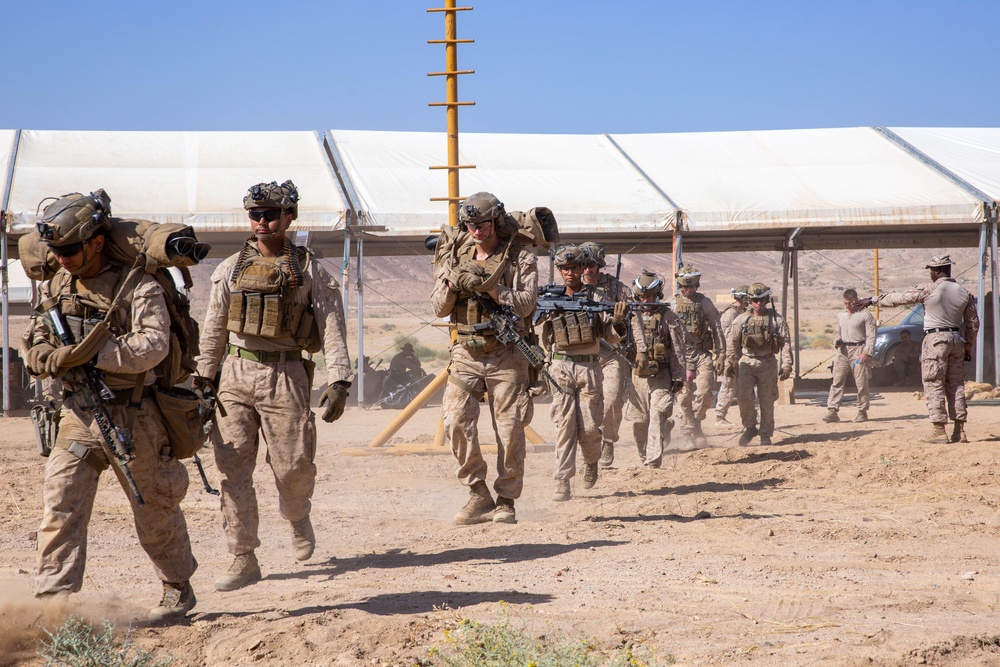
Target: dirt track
(841, 544)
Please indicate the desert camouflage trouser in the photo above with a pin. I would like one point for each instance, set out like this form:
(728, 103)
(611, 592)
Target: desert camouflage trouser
(576, 415)
(726, 397)
(843, 365)
(70, 487)
(942, 368)
(654, 404)
(270, 401)
(503, 375)
(615, 389)
(760, 373)
(696, 397)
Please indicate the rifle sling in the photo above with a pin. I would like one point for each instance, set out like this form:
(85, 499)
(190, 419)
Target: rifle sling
(458, 382)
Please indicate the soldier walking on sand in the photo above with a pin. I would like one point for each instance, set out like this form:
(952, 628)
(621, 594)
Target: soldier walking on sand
(856, 331)
(700, 318)
(950, 328)
(614, 367)
(490, 263)
(727, 386)
(756, 337)
(574, 340)
(270, 303)
(662, 364)
(125, 342)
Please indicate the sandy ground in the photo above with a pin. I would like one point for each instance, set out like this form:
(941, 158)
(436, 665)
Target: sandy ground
(842, 544)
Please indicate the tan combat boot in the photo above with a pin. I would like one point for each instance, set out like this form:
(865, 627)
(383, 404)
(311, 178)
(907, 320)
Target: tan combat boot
(589, 475)
(748, 435)
(244, 571)
(562, 490)
(303, 538)
(504, 513)
(480, 507)
(958, 432)
(937, 436)
(831, 416)
(607, 454)
(699, 440)
(862, 416)
(177, 601)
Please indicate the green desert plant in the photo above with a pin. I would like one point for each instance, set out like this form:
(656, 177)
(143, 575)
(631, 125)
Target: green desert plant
(77, 643)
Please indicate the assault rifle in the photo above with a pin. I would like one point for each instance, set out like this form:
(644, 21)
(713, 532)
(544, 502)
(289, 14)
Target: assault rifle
(503, 323)
(92, 395)
(553, 298)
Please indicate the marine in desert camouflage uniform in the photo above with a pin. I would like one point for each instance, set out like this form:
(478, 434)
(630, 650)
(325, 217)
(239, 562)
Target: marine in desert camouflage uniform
(727, 394)
(573, 341)
(75, 226)
(490, 263)
(701, 319)
(662, 365)
(759, 343)
(270, 303)
(614, 366)
(950, 327)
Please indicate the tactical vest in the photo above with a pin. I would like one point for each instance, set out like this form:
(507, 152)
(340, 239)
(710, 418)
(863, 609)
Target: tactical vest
(468, 313)
(261, 301)
(82, 308)
(759, 335)
(574, 329)
(658, 343)
(694, 320)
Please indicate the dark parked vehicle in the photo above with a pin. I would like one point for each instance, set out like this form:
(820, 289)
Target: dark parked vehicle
(888, 339)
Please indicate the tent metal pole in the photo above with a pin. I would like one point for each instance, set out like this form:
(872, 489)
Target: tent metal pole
(345, 273)
(4, 284)
(795, 299)
(984, 265)
(995, 287)
(360, 289)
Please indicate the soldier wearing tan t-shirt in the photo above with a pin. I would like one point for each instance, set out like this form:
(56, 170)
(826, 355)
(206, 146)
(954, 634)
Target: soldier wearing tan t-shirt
(856, 329)
(950, 327)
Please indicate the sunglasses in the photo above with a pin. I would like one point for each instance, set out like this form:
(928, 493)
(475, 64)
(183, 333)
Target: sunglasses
(760, 300)
(66, 250)
(268, 214)
(476, 226)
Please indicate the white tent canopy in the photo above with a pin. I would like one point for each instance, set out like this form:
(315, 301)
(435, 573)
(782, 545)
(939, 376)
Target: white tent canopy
(197, 178)
(589, 184)
(972, 154)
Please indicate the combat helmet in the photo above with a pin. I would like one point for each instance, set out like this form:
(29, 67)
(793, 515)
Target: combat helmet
(647, 283)
(758, 291)
(272, 195)
(480, 207)
(688, 276)
(740, 293)
(568, 254)
(74, 218)
(594, 252)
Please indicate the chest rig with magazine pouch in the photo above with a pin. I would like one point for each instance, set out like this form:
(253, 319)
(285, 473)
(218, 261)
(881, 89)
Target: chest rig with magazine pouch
(759, 335)
(658, 344)
(689, 312)
(84, 308)
(574, 329)
(261, 298)
(468, 313)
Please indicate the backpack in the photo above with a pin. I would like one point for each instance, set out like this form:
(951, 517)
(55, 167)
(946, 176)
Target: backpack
(149, 248)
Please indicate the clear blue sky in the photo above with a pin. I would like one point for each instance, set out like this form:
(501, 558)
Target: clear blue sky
(567, 66)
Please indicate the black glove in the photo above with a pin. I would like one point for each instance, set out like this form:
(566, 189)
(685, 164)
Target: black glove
(785, 374)
(861, 303)
(676, 386)
(335, 398)
(968, 355)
